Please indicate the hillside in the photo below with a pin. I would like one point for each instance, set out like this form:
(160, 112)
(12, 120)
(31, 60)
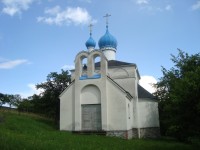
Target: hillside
(32, 132)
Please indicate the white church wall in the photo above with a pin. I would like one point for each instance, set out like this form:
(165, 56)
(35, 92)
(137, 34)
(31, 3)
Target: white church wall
(128, 84)
(148, 113)
(90, 95)
(129, 113)
(72, 75)
(81, 97)
(122, 72)
(110, 54)
(118, 73)
(134, 114)
(117, 112)
(66, 109)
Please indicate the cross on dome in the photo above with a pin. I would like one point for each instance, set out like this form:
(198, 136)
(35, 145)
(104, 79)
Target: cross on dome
(106, 16)
(90, 43)
(90, 28)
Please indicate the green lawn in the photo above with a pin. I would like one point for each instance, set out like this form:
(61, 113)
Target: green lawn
(31, 132)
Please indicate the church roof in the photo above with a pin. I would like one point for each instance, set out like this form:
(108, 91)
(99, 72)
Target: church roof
(113, 63)
(142, 93)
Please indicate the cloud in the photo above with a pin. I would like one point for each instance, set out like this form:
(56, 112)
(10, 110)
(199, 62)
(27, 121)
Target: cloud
(70, 15)
(9, 64)
(31, 91)
(87, 1)
(152, 6)
(196, 5)
(12, 7)
(147, 82)
(168, 7)
(142, 2)
(68, 67)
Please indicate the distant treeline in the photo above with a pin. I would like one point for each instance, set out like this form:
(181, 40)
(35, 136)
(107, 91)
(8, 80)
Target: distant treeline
(47, 103)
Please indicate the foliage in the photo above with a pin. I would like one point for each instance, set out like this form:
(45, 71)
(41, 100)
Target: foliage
(2, 99)
(27, 131)
(12, 100)
(55, 84)
(178, 92)
(47, 103)
(26, 105)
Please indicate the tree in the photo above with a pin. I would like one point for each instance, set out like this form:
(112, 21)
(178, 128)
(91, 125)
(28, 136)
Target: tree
(2, 99)
(178, 92)
(12, 100)
(25, 106)
(55, 84)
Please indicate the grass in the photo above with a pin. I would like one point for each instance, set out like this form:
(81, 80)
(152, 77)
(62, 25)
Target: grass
(32, 132)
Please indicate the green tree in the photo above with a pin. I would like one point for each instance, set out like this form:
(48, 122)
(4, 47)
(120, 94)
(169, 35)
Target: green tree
(2, 99)
(178, 92)
(52, 88)
(25, 105)
(12, 100)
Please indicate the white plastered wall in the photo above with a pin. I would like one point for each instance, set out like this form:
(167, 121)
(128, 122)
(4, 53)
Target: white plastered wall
(148, 113)
(126, 77)
(134, 114)
(90, 94)
(81, 84)
(67, 109)
(110, 54)
(129, 113)
(118, 109)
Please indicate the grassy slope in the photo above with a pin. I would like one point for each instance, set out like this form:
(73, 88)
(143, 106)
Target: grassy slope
(22, 131)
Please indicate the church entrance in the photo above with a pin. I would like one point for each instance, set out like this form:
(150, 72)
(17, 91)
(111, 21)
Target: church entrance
(91, 117)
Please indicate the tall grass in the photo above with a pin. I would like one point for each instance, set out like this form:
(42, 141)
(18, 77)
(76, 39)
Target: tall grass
(31, 132)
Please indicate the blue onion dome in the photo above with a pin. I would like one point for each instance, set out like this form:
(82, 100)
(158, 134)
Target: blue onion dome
(107, 40)
(90, 42)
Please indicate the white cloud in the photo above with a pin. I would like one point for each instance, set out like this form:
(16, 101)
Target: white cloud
(196, 5)
(53, 10)
(9, 64)
(12, 7)
(87, 1)
(68, 67)
(70, 15)
(152, 6)
(147, 82)
(32, 90)
(141, 2)
(168, 7)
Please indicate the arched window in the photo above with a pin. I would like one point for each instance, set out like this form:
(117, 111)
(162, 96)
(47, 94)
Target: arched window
(97, 64)
(83, 65)
(95, 59)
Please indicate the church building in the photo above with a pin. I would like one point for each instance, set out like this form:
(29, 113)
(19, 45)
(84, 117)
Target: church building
(105, 95)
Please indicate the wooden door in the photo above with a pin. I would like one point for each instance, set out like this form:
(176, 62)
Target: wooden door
(91, 117)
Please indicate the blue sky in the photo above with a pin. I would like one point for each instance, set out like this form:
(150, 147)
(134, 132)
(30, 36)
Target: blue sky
(42, 36)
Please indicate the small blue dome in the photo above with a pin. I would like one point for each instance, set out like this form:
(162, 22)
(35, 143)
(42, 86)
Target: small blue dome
(90, 42)
(107, 40)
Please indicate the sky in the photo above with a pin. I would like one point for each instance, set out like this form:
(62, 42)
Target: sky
(42, 36)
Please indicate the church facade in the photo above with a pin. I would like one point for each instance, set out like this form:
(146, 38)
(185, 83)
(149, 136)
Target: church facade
(105, 96)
